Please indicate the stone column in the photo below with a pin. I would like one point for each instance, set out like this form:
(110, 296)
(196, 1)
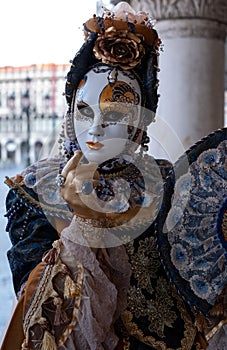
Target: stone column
(192, 65)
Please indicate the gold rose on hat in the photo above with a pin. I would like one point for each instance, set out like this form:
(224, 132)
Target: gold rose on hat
(122, 36)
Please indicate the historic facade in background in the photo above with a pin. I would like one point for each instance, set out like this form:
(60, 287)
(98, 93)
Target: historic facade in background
(32, 106)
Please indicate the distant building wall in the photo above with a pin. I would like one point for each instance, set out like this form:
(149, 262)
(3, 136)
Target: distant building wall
(47, 107)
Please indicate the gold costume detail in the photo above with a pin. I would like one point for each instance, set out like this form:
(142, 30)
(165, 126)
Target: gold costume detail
(46, 297)
(158, 308)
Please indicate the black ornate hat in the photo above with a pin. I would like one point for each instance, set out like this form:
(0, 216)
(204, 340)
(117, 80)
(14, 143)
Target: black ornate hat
(124, 39)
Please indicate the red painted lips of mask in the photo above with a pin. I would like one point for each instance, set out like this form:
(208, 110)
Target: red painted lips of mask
(94, 145)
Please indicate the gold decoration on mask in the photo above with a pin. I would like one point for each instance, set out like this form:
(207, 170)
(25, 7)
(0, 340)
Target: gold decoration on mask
(120, 98)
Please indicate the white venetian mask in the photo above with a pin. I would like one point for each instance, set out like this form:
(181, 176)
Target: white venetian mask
(107, 103)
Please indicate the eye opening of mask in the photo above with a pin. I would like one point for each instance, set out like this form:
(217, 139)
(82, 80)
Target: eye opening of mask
(86, 110)
(113, 116)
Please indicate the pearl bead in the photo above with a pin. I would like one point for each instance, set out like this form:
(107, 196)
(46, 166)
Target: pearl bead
(87, 187)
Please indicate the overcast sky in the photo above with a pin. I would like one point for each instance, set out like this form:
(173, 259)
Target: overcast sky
(42, 31)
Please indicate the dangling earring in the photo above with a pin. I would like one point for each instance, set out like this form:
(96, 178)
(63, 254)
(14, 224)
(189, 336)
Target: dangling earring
(130, 131)
(69, 127)
(144, 141)
(70, 141)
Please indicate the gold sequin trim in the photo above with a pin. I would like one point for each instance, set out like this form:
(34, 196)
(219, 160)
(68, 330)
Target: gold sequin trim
(189, 333)
(146, 262)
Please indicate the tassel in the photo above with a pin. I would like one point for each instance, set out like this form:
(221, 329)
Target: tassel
(70, 288)
(57, 315)
(52, 255)
(48, 342)
(60, 316)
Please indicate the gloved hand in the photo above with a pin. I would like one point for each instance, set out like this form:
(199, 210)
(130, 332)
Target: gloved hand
(78, 187)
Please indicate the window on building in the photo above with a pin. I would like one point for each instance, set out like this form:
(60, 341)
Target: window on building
(11, 151)
(38, 150)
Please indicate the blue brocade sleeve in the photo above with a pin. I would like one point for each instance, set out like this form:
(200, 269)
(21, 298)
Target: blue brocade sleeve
(31, 235)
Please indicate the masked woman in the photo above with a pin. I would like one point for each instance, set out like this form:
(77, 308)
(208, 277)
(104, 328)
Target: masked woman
(84, 257)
